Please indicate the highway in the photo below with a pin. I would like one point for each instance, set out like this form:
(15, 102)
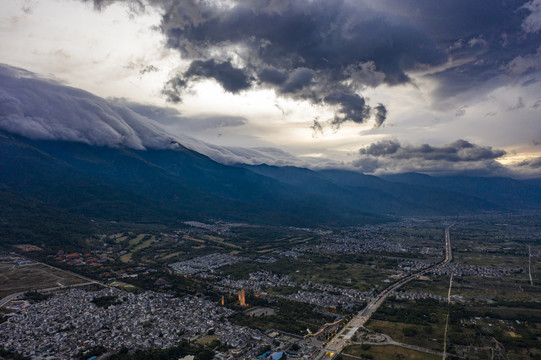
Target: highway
(448, 249)
(444, 356)
(337, 344)
(530, 264)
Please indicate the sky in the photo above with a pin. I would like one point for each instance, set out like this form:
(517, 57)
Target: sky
(380, 86)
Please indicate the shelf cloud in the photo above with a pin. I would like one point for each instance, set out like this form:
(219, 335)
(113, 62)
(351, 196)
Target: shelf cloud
(43, 109)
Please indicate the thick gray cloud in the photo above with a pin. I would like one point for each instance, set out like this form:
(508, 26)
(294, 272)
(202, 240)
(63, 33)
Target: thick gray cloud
(488, 41)
(315, 49)
(352, 107)
(325, 52)
(231, 78)
(173, 89)
(318, 35)
(534, 163)
(459, 156)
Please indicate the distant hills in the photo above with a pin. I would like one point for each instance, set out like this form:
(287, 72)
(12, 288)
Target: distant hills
(44, 182)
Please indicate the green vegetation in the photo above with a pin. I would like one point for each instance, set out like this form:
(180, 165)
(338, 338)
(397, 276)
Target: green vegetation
(27, 221)
(106, 301)
(34, 296)
(292, 317)
(409, 331)
(502, 313)
(425, 312)
(11, 354)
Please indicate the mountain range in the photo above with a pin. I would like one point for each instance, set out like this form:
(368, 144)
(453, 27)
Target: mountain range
(59, 184)
(70, 160)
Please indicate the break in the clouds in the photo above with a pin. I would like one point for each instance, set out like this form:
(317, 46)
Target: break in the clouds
(461, 155)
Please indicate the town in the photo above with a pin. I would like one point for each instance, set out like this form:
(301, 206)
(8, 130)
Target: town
(241, 299)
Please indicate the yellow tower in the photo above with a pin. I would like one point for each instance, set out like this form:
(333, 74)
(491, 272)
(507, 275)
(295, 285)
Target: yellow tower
(242, 298)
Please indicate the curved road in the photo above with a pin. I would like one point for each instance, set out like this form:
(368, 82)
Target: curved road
(335, 346)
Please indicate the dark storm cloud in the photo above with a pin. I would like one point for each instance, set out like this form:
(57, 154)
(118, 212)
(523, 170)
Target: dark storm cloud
(318, 35)
(487, 40)
(272, 76)
(173, 89)
(352, 107)
(325, 52)
(451, 20)
(460, 150)
(315, 49)
(231, 78)
(390, 156)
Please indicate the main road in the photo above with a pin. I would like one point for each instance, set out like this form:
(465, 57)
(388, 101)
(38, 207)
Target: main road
(336, 345)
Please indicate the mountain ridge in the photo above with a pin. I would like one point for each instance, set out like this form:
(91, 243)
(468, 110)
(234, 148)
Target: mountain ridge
(168, 186)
